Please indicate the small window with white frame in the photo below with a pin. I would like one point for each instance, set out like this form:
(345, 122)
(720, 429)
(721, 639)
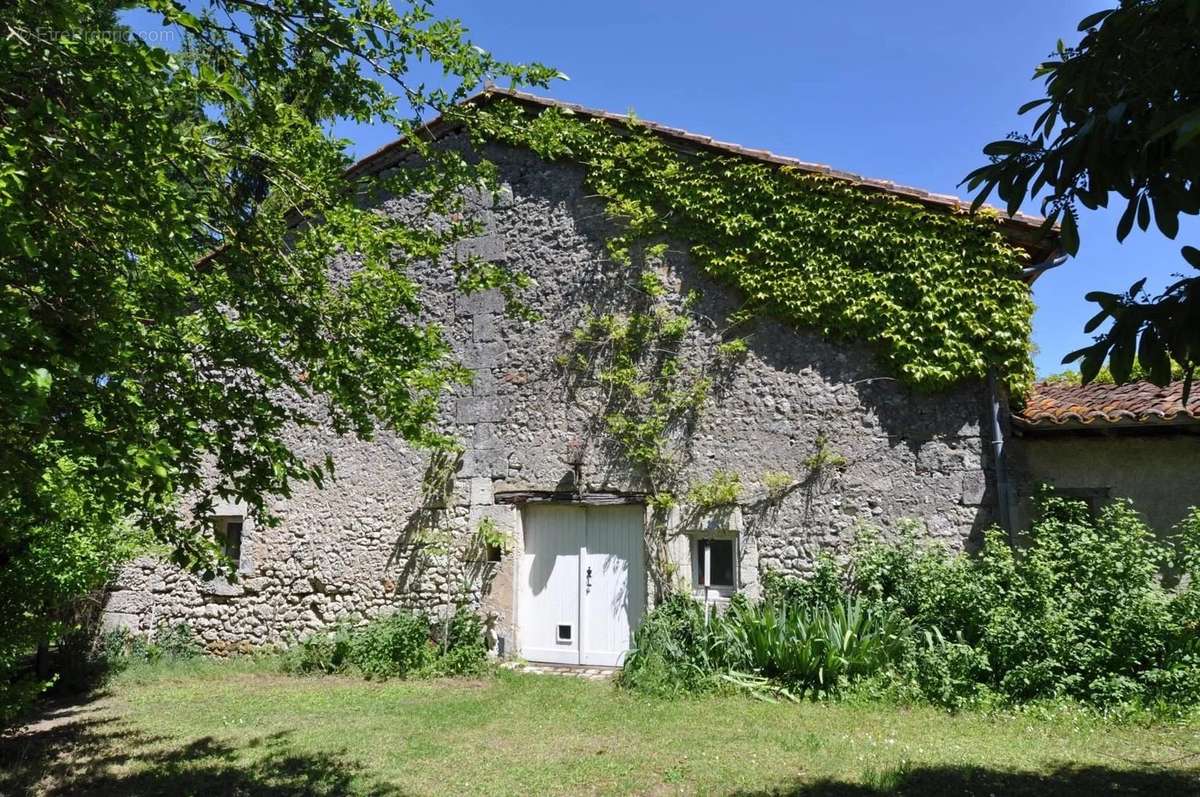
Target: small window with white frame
(714, 564)
(229, 537)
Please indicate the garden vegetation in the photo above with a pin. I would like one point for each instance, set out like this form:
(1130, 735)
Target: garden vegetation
(400, 645)
(164, 320)
(1090, 609)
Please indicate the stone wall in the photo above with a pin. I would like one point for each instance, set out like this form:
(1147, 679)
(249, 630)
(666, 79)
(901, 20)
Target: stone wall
(1157, 470)
(352, 550)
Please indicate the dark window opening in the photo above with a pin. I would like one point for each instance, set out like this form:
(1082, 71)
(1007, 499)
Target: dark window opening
(229, 537)
(493, 553)
(564, 633)
(1093, 497)
(715, 563)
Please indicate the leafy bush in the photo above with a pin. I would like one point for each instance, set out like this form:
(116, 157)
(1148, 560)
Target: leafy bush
(670, 653)
(949, 673)
(17, 693)
(804, 648)
(399, 645)
(1078, 610)
(809, 649)
(59, 544)
(464, 649)
(175, 643)
(823, 588)
(323, 653)
(392, 646)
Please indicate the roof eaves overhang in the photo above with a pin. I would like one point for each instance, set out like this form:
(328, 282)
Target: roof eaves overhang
(1181, 423)
(1024, 230)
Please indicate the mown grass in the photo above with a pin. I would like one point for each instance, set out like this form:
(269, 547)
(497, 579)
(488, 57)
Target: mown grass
(238, 727)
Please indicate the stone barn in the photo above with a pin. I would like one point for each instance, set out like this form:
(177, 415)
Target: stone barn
(581, 491)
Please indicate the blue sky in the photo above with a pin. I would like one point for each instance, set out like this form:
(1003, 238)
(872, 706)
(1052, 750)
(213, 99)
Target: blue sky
(909, 92)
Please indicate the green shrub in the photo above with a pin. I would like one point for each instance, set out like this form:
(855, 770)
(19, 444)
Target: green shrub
(949, 673)
(670, 653)
(393, 646)
(400, 645)
(925, 582)
(176, 643)
(823, 588)
(17, 694)
(464, 651)
(323, 653)
(809, 649)
(1077, 610)
(116, 648)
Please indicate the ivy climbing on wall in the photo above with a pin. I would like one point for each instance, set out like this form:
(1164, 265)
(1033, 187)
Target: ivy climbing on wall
(937, 294)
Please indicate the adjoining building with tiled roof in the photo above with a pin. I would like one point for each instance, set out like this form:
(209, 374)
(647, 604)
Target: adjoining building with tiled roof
(1063, 405)
(1103, 441)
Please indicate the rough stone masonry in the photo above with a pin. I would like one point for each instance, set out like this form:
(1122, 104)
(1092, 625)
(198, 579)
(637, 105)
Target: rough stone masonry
(362, 547)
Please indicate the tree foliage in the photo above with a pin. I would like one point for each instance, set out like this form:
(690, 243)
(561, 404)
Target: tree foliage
(168, 312)
(1121, 116)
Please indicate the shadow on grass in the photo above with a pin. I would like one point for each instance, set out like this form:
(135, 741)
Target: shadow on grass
(100, 756)
(983, 782)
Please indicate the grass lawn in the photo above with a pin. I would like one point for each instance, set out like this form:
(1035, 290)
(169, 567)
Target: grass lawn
(237, 727)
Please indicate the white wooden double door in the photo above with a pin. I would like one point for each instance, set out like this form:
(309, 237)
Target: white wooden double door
(582, 583)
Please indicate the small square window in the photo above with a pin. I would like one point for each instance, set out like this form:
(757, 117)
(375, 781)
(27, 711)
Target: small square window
(493, 553)
(713, 563)
(229, 537)
(1093, 497)
(563, 634)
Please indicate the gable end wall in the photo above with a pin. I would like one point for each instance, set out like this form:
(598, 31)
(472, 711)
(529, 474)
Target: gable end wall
(353, 550)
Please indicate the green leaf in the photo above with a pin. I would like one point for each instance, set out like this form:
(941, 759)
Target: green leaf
(1092, 20)
(1093, 359)
(1120, 359)
(1070, 234)
(1192, 255)
(1029, 106)
(40, 379)
(1166, 216)
(1003, 148)
(1153, 357)
(1125, 225)
(1188, 129)
(1095, 321)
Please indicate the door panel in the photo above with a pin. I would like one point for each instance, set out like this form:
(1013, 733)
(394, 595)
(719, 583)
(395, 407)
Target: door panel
(611, 600)
(548, 600)
(583, 573)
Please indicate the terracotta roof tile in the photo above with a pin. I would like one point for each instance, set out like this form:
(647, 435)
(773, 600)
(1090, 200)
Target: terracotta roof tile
(1059, 404)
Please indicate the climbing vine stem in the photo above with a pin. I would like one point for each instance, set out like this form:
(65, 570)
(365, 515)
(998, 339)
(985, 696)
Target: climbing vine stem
(936, 293)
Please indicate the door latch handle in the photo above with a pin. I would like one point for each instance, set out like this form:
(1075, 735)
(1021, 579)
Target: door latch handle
(589, 578)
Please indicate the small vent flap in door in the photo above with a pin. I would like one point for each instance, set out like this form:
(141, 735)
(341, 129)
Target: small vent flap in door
(563, 634)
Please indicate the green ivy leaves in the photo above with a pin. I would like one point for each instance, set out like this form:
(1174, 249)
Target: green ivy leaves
(938, 295)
